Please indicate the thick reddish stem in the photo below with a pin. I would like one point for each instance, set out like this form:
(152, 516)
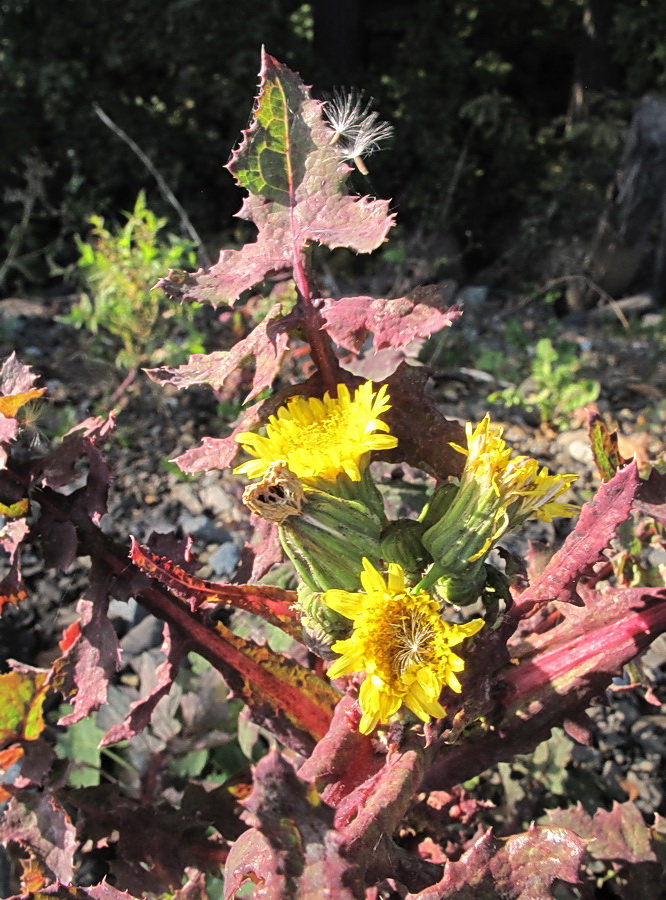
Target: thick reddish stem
(320, 343)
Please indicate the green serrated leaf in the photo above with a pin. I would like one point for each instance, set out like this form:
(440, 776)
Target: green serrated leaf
(271, 162)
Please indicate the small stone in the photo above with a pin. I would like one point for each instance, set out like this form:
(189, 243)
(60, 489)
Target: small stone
(224, 560)
(216, 499)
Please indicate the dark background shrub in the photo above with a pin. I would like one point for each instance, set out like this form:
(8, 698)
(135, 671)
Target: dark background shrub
(504, 110)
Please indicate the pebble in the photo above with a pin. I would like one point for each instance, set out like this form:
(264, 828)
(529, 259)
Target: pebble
(224, 560)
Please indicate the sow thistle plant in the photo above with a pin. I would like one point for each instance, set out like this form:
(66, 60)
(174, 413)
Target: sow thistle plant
(411, 663)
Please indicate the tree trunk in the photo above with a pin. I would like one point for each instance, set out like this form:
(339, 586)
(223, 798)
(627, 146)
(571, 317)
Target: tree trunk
(636, 197)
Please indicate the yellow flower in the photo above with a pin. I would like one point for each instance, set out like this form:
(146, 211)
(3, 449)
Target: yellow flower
(522, 488)
(319, 439)
(402, 644)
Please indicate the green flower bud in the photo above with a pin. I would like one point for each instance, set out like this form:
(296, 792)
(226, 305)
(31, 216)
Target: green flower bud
(401, 542)
(322, 626)
(438, 505)
(328, 541)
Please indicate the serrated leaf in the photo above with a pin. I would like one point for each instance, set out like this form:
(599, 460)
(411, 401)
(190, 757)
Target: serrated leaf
(522, 867)
(554, 676)
(652, 496)
(174, 648)
(103, 891)
(597, 525)
(292, 702)
(604, 447)
(82, 673)
(619, 834)
(424, 434)
(22, 694)
(272, 604)
(153, 843)
(265, 346)
(12, 589)
(292, 848)
(394, 323)
(16, 386)
(297, 196)
(41, 826)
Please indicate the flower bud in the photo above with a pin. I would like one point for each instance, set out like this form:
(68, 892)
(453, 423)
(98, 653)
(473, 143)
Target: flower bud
(401, 542)
(328, 541)
(322, 626)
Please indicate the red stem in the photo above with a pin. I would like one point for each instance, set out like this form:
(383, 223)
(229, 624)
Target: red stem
(321, 348)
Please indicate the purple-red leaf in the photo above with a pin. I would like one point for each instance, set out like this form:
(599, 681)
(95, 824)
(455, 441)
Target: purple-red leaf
(652, 496)
(102, 891)
(619, 834)
(292, 848)
(83, 671)
(273, 604)
(265, 346)
(41, 826)
(553, 676)
(424, 435)
(598, 522)
(16, 388)
(296, 194)
(175, 648)
(12, 589)
(394, 323)
(521, 867)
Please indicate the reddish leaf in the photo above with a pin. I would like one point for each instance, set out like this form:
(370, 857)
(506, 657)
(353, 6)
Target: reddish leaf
(41, 826)
(82, 673)
(520, 867)
(103, 891)
(292, 702)
(22, 694)
(292, 848)
(280, 694)
(266, 346)
(596, 527)
(343, 762)
(154, 844)
(295, 181)
(557, 674)
(271, 603)
(394, 323)
(264, 552)
(8, 430)
(12, 589)
(16, 387)
(616, 835)
(652, 496)
(424, 435)
(175, 648)
(16, 378)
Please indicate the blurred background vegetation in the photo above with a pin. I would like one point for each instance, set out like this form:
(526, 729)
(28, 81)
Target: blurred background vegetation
(510, 115)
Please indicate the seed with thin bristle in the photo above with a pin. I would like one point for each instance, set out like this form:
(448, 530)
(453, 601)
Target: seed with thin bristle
(358, 131)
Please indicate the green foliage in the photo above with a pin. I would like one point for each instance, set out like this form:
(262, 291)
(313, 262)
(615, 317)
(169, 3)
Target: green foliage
(554, 387)
(131, 319)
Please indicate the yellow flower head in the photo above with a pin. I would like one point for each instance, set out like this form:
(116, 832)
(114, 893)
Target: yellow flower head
(523, 489)
(402, 644)
(319, 439)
